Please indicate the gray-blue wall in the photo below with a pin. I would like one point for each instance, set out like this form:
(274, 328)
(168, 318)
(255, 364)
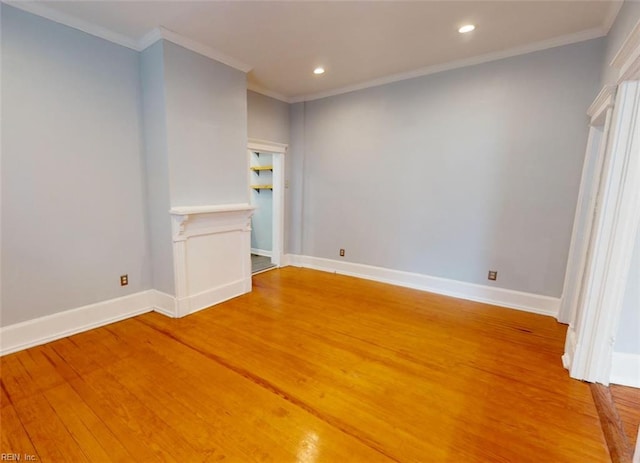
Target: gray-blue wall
(456, 173)
(262, 200)
(268, 120)
(206, 107)
(158, 200)
(628, 336)
(73, 212)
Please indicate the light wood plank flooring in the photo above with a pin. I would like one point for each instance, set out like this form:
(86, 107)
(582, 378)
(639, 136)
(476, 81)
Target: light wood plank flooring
(310, 367)
(627, 401)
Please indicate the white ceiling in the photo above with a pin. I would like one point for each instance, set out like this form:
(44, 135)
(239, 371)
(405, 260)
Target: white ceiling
(359, 43)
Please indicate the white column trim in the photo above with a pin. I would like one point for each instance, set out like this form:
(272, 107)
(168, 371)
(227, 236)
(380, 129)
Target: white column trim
(600, 112)
(617, 220)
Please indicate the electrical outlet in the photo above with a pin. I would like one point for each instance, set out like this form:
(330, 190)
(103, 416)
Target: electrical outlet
(124, 280)
(341, 252)
(493, 275)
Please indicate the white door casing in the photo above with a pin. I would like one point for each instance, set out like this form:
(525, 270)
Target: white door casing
(591, 334)
(591, 337)
(278, 150)
(600, 113)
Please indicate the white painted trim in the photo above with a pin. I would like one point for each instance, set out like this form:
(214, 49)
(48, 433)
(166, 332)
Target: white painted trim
(193, 45)
(208, 225)
(261, 252)
(636, 454)
(197, 302)
(145, 41)
(605, 100)
(277, 220)
(266, 92)
(627, 60)
(527, 302)
(149, 38)
(569, 348)
(616, 222)
(191, 210)
(164, 303)
(277, 150)
(162, 33)
(39, 9)
(625, 369)
(62, 324)
(601, 112)
(494, 56)
(265, 146)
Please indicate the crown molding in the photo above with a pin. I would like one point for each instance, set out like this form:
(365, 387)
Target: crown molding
(193, 45)
(495, 56)
(138, 45)
(612, 14)
(71, 21)
(149, 39)
(162, 33)
(266, 92)
(627, 60)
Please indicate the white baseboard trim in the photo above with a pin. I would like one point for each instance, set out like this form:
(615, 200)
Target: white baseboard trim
(20, 336)
(261, 252)
(528, 302)
(286, 260)
(41, 330)
(569, 348)
(625, 369)
(164, 303)
(213, 296)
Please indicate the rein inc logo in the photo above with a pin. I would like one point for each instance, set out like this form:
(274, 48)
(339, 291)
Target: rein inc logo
(18, 457)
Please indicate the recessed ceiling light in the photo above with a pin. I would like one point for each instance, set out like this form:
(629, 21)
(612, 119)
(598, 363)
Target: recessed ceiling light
(318, 71)
(466, 28)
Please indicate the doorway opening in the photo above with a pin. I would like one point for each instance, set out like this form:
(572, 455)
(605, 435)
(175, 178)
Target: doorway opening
(266, 182)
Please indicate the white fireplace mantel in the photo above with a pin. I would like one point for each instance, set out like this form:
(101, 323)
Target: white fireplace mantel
(211, 254)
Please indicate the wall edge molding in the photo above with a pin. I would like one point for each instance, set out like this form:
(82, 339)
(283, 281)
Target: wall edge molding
(528, 302)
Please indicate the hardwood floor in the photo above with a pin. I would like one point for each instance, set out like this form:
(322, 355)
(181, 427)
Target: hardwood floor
(627, 401)
(310, 367)
(619, 447)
